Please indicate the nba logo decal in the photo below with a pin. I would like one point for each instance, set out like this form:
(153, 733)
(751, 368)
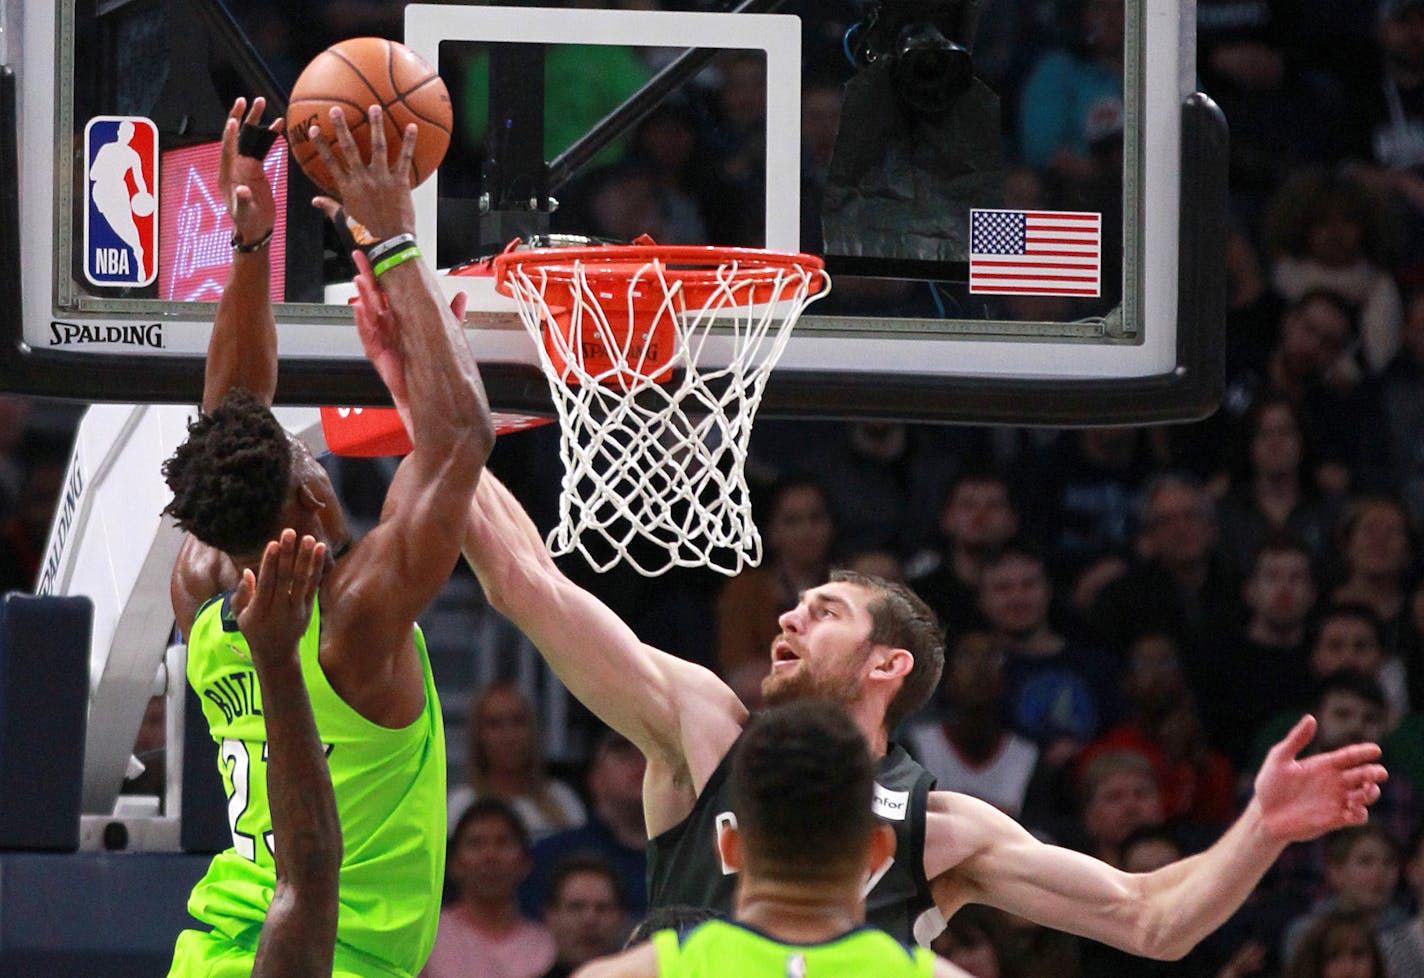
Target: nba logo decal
(120, 201)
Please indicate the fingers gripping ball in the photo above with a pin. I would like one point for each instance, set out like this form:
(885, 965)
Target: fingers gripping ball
(356, 74)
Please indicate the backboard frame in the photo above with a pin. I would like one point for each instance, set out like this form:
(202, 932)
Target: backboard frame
(1183, 381)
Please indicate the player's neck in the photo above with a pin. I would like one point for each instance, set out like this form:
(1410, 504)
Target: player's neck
(870, 718)
(798, 911)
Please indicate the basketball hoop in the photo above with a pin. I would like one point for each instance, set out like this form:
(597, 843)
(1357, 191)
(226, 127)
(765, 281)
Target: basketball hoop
(657, 357)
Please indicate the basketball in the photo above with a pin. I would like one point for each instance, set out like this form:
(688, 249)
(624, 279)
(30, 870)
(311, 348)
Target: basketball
(142, 204)
(355, 74)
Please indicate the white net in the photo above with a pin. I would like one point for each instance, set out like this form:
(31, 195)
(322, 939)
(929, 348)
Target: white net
(654, 440)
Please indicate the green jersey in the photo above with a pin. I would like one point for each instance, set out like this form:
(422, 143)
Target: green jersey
(720, 947)
(390, 796)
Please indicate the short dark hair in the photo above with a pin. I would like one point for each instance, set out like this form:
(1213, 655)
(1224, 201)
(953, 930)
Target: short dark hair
(483, 808)
(899, 619)
(231, 476)
(1347, 609)
(1354, 683)
(681, 917)
(1341, 842)
(1282, 542)
(802, 786)
(582, 862)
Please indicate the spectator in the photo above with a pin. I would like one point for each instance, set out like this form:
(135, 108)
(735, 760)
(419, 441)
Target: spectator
(1060, 692)
(481, 933)
(1329, 231)
(1069, 93)
(1348, 636)
(799, 535)
(1388, 118)
(1340, 944)
(1081, 499)
(1165, 727)
(504, 761)
(614, 830)
(666, 143)
(1402, 396)
(1376, 541)
(1245, 678)
(1119, 795)
(1251, 62)
(885, 482)
(969, 750)
(1177, 586)
(585, 913)
(1403, 944)
(1273, 492)
(976, 519)
(1343, 416)
(1361, 873)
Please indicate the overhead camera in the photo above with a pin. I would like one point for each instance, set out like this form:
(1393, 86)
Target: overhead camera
(919, 42)
(920, 143)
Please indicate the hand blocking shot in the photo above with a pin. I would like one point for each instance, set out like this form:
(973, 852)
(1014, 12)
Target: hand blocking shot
(238, 480)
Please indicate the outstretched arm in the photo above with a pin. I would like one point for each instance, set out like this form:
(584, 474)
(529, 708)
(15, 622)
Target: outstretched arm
(679, 714)
(242, 351)
(394, 572)
(975, 854)
(274, 607)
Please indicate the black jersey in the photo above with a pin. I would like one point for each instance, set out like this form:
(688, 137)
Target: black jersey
(685, 866)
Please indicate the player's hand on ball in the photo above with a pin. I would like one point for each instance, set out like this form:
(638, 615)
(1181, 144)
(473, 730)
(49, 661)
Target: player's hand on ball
(274, 606)
(374, 192)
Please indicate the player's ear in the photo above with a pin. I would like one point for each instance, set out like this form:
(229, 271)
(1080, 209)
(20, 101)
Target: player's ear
(729, 844)
(882, 847)
(891, 663)
(309, 499)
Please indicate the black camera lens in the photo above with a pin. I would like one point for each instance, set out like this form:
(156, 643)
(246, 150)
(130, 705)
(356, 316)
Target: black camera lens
(929, 70)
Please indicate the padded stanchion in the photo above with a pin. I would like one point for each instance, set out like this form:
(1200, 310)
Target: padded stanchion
(44, 691)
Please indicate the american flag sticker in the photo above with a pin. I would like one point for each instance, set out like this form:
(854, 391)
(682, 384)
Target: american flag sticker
(1035, 252)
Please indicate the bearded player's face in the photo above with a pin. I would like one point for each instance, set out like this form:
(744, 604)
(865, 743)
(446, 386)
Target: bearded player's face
(823, 646)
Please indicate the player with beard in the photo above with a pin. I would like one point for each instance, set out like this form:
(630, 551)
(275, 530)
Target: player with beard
(875, 648)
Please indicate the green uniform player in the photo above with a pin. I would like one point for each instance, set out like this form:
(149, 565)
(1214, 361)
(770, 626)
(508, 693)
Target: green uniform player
(238, 480)
(720, 947)
(803, 842)
(390, 791)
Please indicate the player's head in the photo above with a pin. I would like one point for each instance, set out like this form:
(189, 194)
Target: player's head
(857, 637)
(802, 787)
(238, 479)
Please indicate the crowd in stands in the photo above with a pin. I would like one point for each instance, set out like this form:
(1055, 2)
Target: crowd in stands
(1133, 615)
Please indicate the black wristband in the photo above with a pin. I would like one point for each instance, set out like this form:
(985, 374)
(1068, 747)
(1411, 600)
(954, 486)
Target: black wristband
(255, 141)
(250, 247)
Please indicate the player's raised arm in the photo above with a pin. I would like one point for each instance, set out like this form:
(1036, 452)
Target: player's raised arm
(675, 711)
(421, 354)
(975, 854)
(242, 351)
(274, 609)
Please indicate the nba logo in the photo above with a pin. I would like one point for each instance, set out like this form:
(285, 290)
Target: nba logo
(120, 200)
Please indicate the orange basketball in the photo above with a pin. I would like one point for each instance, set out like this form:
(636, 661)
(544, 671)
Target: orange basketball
(355, 75)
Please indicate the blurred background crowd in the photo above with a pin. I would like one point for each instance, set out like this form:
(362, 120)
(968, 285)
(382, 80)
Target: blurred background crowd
(1133, 614)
